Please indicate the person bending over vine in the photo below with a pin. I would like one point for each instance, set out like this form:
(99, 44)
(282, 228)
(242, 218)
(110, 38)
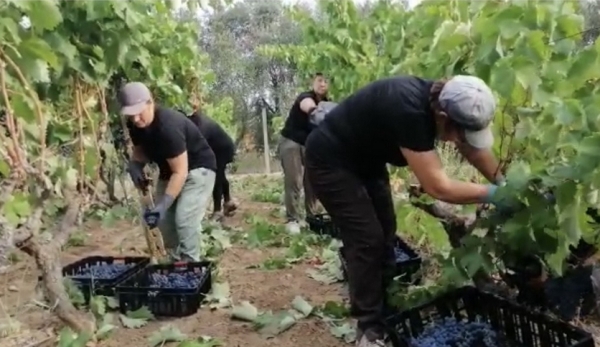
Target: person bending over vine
(186, 165)
(224, 148)
(395, 121)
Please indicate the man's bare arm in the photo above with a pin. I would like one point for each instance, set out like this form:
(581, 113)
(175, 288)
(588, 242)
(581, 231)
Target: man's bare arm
(307, 105)
(139, 155)
(428, 168)
(483, 160)
(179, 172)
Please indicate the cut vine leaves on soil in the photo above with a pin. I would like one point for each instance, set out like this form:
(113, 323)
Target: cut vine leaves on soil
(271, 324)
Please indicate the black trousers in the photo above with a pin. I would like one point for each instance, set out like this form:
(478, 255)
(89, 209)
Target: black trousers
(221, 190)
(363, 209)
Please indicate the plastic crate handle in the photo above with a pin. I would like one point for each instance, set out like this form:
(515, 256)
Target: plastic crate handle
(119, 260)
(180, 264)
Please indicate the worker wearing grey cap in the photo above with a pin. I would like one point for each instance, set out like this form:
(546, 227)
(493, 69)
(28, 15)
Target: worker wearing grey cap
(187, 169)
(395, 121)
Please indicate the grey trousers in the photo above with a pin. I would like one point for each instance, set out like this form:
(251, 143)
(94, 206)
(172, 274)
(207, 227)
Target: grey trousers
(292, 162)
(182, 224)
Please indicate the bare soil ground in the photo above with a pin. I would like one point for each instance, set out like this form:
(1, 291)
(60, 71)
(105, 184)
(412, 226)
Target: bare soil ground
(266, 289)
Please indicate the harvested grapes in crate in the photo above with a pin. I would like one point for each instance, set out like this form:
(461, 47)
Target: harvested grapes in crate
(408, 262)
(449, 332)
(183, 280)
(99, 275)
(174, 290)
(467, 317)
(102, 271)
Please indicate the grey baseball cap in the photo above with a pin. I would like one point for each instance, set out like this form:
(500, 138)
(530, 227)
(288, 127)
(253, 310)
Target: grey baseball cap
(470, 103)
(133, 98)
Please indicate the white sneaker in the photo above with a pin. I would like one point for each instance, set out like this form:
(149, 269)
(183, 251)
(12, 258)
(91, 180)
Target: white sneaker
(364, 342)
(292, 228)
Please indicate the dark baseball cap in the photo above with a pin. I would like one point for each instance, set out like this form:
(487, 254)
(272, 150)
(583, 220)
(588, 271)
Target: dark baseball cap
(470, 103)
(133, 98)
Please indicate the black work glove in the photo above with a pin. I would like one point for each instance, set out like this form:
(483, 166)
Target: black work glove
(154, 216)
(136, 172)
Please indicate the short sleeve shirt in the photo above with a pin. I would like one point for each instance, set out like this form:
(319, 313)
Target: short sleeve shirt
(297, 125)
(168, 136)
(217, 138)
(375, 122)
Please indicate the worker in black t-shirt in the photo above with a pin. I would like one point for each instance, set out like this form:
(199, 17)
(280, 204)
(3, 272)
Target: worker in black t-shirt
(291, 152)
(395, 121)
(187, 169)
(224, 148)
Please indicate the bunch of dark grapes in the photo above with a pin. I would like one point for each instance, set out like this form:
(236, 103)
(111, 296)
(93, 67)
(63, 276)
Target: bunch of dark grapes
(566, 295)
(449, 332)
(177, 280)
(65, 150)
(400, 255)
(102, 271)
(118, 137)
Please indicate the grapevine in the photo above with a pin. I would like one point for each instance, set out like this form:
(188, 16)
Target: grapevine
(58, 78)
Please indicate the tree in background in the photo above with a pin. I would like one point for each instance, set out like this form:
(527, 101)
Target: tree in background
(231, 37)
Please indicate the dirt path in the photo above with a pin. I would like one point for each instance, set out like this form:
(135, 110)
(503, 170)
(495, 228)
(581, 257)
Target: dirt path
(266, 289)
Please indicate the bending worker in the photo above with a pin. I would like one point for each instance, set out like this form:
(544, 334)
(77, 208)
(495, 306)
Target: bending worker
(224, 148)
(394, 121)
(186, 163)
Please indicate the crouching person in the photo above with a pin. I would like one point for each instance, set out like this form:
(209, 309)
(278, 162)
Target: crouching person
(186, 169)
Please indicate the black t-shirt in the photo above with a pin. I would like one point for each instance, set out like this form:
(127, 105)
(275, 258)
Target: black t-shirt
(218, 139)
(297, 125)
(170, 134)
(367, 129)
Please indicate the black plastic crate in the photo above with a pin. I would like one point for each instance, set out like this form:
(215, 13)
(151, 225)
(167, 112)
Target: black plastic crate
(322, 224)
(170, 302)
(98, 286)
(408, 270)
(516, 325)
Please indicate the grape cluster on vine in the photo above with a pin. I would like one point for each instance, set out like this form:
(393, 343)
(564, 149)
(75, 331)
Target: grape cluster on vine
(450, 332)
(118, 138)
(66, 150)
(569, 294)
(400, 255)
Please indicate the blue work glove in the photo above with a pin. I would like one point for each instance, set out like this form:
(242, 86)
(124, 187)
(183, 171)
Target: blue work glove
(508, 205)
(318, 114)
(504, 206)
(136, 172)
(153, 217)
